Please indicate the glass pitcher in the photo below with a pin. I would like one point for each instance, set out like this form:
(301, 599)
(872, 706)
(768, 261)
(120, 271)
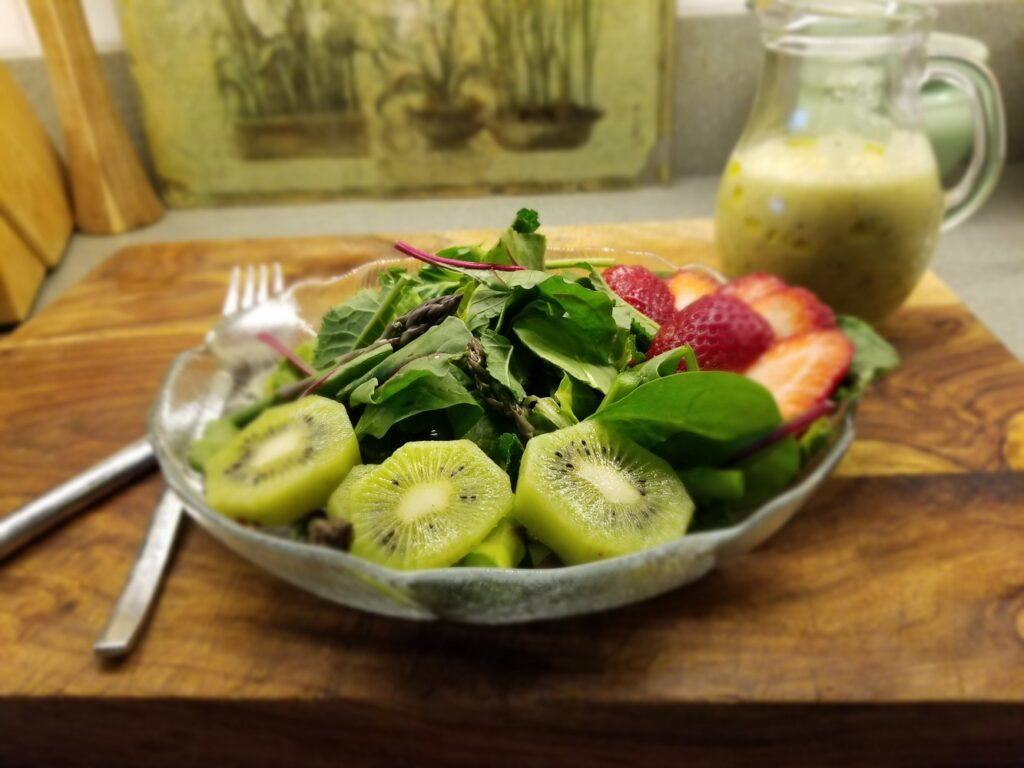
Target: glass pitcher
(833, 184)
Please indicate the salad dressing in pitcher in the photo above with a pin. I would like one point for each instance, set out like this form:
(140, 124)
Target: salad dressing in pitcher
(833, 184)
(855, 220)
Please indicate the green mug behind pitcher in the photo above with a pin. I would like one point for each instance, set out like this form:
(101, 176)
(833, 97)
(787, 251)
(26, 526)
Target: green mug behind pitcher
(834, 184)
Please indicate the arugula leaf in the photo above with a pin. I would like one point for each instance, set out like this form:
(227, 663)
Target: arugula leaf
(873, 356)
(499, 361)
(694, 418)
(357, 322)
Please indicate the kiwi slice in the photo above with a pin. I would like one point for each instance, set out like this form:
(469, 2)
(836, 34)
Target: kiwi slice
(284, 464)
(340, 502)
(591, 494)
(502, 548)
(428, 505)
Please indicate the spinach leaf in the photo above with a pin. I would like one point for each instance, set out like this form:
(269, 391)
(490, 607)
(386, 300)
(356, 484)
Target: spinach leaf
(487, 303)
(504, 448)
(564, 346)
(873, 356)
(509, 454)
(428, 384)
(576, 398)
(708, 484)
(448, 339)
(572, 328)
(464, 253)
(665, 364)
(769, 472)
(357, 322)
(499, 361)
(642, 326)
(686, 416)
(285, 372)
(547, 414)
(353, 369)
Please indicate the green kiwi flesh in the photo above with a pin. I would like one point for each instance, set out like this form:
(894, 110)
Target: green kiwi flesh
(428, 505)
(340, 502)
(590, 494)
(284, 464)
(502, 548)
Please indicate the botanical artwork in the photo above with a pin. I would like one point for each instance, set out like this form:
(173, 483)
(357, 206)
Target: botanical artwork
(282, 99)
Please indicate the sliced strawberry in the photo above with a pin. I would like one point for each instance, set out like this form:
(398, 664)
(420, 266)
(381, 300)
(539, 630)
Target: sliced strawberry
(725, 334)
(802, 371)
(792, 311)
(750, 288)
(642, 289)
(688, 285)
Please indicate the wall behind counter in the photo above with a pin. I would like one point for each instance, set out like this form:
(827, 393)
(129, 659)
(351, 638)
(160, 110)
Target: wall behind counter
(717, 60)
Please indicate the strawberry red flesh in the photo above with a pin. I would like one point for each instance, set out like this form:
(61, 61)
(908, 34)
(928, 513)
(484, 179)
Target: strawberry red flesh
(750, 288)
(792, 311)
(724, 333)
(688, 285)
(642, 289)
(803, 371)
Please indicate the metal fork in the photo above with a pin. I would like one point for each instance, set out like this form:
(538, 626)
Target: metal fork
(140, 592)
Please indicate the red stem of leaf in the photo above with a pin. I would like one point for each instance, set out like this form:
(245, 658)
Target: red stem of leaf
(441, 261)
(794, 426)
(319, 382)
(285, 352)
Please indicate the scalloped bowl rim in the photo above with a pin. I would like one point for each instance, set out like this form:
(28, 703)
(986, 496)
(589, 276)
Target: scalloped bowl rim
(720, 544)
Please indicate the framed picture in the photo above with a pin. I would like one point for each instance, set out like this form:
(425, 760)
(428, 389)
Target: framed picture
(288, 99)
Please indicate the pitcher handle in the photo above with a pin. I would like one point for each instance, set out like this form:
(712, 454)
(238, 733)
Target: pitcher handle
(989, 120)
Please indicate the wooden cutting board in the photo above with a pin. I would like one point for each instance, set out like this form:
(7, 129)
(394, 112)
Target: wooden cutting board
(883, 626)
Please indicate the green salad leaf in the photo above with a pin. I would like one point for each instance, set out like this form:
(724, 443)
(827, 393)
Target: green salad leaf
(423, 385)
(500, 363)
(358, 321)
(873, 356)
(694, 418)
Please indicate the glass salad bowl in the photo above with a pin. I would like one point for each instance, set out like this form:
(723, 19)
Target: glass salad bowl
(228, 372)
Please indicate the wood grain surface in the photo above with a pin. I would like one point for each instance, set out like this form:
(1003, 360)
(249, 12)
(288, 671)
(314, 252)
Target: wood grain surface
(883, 626)
(109, 188)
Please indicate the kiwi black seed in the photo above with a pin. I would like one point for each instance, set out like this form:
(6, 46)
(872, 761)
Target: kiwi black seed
(284, 464)
(428, 504)
(589, 494)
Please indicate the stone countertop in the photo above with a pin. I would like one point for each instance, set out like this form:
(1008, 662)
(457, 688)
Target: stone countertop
(983, 260)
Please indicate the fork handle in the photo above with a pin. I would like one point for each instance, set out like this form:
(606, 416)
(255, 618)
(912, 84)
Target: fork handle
(26, 523)
(139, 595)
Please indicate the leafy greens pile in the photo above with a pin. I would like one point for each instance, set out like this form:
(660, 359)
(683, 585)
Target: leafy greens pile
(496, 356)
